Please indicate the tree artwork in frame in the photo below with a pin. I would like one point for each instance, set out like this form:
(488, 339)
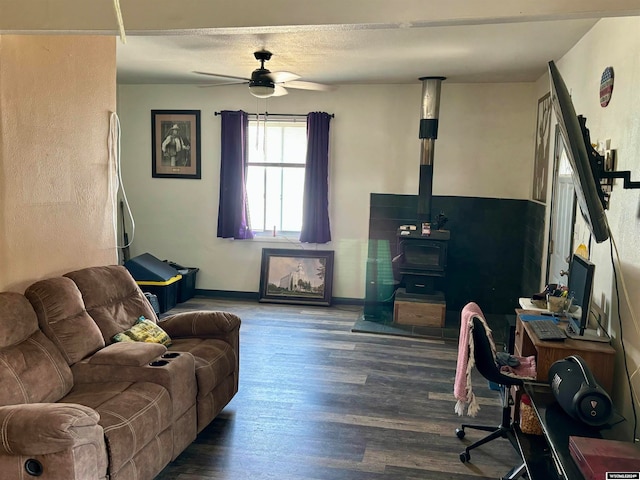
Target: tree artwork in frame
(296, 276)
(541, 161)
(175, 144)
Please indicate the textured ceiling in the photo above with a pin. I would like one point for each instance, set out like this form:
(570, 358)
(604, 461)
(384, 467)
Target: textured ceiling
(329, 41)
(508, 52)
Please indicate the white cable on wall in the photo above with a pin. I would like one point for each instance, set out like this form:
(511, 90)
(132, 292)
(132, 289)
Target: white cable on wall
(114, 159)
(116, 6)
(113, 178)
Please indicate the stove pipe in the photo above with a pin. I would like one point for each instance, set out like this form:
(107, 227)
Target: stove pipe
(428, 135)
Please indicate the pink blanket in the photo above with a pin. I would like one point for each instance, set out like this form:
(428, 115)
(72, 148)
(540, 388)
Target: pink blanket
(526, 369)
(462, 388)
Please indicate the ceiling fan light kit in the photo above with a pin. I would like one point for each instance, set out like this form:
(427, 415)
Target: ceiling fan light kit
(261, 91)
(264, 83)
(261, 85)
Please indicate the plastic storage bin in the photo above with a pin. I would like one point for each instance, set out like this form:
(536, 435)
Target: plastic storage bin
(157, 277)
(186, 286)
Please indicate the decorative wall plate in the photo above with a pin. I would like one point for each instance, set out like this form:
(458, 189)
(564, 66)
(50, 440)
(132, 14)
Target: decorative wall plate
(606, 86)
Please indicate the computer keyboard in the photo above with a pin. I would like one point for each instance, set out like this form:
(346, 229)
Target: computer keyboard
(547, 330)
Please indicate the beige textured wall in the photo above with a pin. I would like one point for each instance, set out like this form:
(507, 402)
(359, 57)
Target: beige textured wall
(614, 42)
(56, 95)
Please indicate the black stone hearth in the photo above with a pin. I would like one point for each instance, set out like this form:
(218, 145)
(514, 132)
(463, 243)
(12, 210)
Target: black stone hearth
(500, 325)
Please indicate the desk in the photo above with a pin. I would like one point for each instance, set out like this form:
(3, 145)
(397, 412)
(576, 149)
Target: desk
(547, 457)
(598, 356)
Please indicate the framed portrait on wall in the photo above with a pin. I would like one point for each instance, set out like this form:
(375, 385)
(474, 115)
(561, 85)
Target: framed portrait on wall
(175, 144)
(541, 160)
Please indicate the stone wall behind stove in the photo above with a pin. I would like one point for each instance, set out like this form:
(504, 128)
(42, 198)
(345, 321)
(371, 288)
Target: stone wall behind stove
(494, 256)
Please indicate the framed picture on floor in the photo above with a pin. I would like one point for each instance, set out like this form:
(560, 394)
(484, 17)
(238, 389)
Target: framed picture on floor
(296, 276)
(175, 144)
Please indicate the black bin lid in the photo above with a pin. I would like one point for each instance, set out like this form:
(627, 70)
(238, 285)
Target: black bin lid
(148, 268)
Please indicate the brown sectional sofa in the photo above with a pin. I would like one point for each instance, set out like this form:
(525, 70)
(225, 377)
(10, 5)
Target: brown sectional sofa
(76, 406)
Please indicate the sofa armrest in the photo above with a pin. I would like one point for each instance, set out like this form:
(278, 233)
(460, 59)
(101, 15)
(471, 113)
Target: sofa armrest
(128, 354)
(45, 428)
(200, 324)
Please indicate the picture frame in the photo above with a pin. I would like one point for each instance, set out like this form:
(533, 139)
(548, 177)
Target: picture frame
(175, 144)
(541, 159)
(296, 276)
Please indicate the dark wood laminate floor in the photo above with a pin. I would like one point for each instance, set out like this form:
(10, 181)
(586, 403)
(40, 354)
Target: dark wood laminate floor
(317, 401)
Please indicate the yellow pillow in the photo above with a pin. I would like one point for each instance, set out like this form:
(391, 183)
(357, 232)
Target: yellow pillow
(144, 331)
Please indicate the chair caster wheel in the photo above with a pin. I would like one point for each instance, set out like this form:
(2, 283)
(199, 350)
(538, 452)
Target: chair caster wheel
(459, 433)
(465, 457)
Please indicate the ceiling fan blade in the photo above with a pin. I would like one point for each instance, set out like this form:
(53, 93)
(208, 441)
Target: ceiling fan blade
(279, 91)
(279, 77)
(321, 87)
(222, 76)
(222, 84)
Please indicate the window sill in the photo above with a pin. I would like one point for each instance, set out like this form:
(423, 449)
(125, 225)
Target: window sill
(269, 238)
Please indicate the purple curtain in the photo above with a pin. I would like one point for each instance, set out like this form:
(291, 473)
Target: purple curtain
(315, 205)
(232, 210)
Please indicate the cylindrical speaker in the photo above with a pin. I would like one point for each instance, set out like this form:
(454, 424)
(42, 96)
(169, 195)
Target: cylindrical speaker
(578, 393)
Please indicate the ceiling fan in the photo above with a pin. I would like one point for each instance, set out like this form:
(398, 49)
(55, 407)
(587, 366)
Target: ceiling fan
(264, 83)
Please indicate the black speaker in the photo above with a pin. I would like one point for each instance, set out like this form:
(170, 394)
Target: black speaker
(578, 392)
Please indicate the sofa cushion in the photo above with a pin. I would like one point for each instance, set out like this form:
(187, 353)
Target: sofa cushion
(19, 321)
(131, 414)
(33, 371)
(200, 324)
(143, 331)
(112, 298)
(215, 360)
(62, 317)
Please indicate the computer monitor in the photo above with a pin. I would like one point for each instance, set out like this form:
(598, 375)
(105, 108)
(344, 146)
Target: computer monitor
(580, 290)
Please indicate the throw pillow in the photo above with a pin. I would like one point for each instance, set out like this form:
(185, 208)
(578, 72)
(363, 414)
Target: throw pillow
(144, 331)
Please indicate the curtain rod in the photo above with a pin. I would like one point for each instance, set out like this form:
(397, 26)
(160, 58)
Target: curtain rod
(278, 114)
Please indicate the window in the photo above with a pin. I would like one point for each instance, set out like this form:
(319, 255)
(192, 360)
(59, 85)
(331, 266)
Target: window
(275, 175)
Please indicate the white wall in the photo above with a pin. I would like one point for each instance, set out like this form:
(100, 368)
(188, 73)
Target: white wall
(485, 149)
(616, 43)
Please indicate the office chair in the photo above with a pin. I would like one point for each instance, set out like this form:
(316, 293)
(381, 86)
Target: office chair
(486, 364)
